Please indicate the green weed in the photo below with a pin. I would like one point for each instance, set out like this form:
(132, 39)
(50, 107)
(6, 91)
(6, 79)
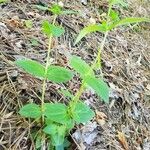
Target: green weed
(57, 119)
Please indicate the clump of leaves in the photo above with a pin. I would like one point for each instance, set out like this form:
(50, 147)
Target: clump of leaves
(58, 118)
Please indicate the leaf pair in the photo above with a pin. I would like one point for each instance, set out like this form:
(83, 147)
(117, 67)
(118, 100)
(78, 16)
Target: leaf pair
(58, 118)
(90, 29)
(105, 27)
(54, 73)
(59, 113)
(53, 112)
(88, 76)
(52, 30)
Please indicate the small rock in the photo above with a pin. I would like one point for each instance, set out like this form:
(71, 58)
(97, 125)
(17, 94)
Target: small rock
(87, 134)
(84, 2)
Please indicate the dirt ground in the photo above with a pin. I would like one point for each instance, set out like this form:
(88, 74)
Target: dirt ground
(124, 123)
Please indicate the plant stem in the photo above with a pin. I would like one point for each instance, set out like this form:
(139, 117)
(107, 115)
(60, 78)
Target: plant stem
(74, 101)
(46, 69)
(98, 58)
(97, 61)
(45, 79)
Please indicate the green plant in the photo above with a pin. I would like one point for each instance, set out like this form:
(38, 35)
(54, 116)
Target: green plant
(57, 119)
(112, 21)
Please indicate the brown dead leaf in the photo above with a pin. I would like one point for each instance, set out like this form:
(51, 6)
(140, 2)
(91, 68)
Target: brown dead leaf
(122, 139)
(15, 22)
(100, 118)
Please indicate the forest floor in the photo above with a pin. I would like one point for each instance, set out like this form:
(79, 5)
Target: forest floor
(124, 123)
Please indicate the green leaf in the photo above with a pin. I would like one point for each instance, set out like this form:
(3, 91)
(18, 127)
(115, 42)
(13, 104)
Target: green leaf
(44, 8)
(50, 29)
(58, 74)
(61, 129)
(80, 66)
(58, 139)
(57, 112)
(90, 29)
(82, 113)
(57, 133)
(56, 9)
(38, 141)
(128, 21)
(48, 121)
(31, 111)
(114, 16)
(100, 87)
(66, 93)
(59, 147)
(70, 124)
(29, 23)
(67, 143)
(51, 129)
(32, 67)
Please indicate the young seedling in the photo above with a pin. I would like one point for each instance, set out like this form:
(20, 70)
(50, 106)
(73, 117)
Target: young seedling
(57, 119)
